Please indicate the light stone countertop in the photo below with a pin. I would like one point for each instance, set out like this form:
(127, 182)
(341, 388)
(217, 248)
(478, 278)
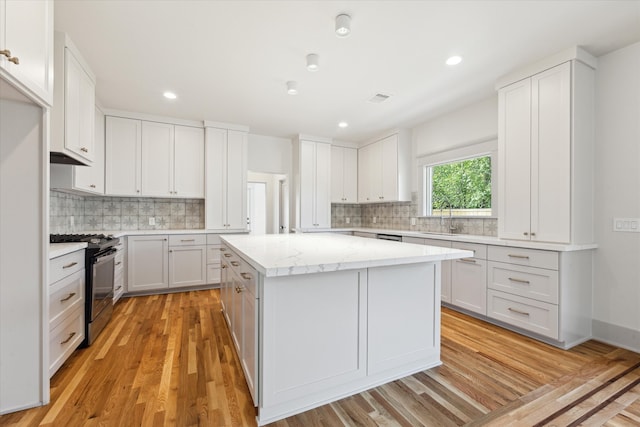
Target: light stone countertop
(58, 249)
(291, 254)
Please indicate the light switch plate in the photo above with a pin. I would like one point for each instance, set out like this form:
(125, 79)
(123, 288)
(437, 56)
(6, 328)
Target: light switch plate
(413, 221)
(629, 225)
(348, 220)
(152, 221)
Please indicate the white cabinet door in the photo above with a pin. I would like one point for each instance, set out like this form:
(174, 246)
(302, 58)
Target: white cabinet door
(337, 174)
(28, 35)
(322, 169)
(188, 162)
(91, 178)
(123, 148)
(187, 266)
(350, 175)
(250, 341)
(216, 181)
(236, 173)
(147, 263)
(551, 155)
(157, 159)
(514, 173)
(307, 184)
(469, 284)
(79, 106)
(375, 172)
(364, 178)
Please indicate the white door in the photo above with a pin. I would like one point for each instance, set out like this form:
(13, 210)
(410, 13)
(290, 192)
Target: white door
(147, 263)
(188, 162)
(187, 266)
(257, 207)
(122, 156)
(323, 185)
(157, 159)
(551, 155)
(514, 170)
(236, 191)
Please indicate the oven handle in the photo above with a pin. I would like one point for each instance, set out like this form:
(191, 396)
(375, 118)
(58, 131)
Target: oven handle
(106, 257)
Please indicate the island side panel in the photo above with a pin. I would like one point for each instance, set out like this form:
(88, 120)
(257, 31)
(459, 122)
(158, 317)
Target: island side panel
(403, 318)
(313, 339)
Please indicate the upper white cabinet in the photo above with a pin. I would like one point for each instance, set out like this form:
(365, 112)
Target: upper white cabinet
(87, 179)
(26, 47)
(123, 149)
(546, 155)
(344, 175)
(73, 110)
(226, 178)
(384, 169)
(153, 159)
(312, 172)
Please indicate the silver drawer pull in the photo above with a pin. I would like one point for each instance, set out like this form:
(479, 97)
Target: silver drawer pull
(467, 260)
(70, 265)
(84, 149)
(188, 240)
(118, 288)
(223, 249)
(235, 263)
(239, 289)
(119, 262)
(518, 256)
(71, 295)
(514, 310)
(71, 335)
(246, 276)
(526, 282)
(228, 255)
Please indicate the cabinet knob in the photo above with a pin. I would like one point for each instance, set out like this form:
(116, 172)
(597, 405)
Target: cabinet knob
(15, 60)
(170, 251)
(6, 52)
(525, 233)
(92, 186)
(84, 149)
(533, 234)
(137, 191)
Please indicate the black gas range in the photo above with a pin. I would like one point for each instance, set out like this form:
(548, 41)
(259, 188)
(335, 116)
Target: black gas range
(99, 269)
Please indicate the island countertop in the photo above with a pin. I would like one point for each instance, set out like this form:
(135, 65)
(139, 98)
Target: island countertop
(290, 254)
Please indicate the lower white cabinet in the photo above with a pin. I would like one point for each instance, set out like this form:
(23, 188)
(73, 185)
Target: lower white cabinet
(66, 307)
(445, 266)
(213, 258)
(147, 262)
(120, 270)
(469, 279)
(239, 302)
(187, 260)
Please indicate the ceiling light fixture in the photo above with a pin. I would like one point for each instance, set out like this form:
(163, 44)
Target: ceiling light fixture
(170, 95)
(343, 25)
(292, 87)
(313, 62)
(454, 60)
(343, 125)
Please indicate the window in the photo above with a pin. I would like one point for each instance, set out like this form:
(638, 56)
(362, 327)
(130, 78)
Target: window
(459, 182)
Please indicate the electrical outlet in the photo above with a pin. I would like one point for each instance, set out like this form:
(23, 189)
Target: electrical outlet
(152, 221)
(413, 221)
(347, 220)
(375, 219)
(72, 221)
(629, 225)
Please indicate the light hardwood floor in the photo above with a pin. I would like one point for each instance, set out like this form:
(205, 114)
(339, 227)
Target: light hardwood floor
(168, 360)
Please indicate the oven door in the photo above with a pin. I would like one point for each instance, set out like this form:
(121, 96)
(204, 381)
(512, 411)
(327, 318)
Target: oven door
(102, 282)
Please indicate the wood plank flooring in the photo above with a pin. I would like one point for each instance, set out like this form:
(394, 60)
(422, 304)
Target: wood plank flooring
(168, 360)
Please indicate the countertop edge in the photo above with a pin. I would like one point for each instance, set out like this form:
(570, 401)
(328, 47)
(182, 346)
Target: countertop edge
(56, 250)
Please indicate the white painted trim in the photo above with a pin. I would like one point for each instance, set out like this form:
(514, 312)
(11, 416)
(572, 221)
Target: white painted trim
(150, 117)
(228, 126)
(313, 138)
(619, 336)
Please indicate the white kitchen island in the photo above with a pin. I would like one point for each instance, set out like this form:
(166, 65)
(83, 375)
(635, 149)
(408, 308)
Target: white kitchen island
(319, 317)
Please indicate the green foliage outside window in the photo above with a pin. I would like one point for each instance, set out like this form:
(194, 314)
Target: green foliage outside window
(462, 185)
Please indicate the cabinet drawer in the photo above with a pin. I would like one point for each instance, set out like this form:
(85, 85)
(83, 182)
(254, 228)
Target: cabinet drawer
(65, 296)
(213, 239)
(414, 240)
(65, 265)
(438, 243)
(537, 283)
(213, 273)
(119, 261)
(534, 316)
(65, 338)
(479, 250)
(528, 257)
(213, 254)
(187, 239)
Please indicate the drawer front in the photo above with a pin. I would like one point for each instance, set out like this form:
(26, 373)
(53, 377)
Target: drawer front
(119, 261)
(529, 282)
(65, 265)
(534, 316)
(479, 250)
(414, 240)
(118, 281)
(242, 269)
(122, 244)
(187, 239)
(64, 339)
(213, 239)
(213, 273)
(528, 257)
(65, 296)
(213, 254)
(438, 243)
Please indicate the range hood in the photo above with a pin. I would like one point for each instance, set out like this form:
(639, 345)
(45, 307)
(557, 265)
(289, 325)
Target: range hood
(61, 158)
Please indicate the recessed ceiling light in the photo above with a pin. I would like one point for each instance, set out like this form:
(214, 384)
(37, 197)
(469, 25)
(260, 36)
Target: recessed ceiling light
(170, 95)
(292, 87)
(343, 125)
(313, 62)
(343, 25)
(454, 60)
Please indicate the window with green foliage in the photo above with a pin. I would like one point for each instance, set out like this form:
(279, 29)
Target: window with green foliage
(462, 187)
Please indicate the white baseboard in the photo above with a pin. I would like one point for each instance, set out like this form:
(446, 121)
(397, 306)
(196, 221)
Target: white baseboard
(619, 336)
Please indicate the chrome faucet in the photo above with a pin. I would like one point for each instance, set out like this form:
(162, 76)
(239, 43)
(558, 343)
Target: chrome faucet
(452, 229)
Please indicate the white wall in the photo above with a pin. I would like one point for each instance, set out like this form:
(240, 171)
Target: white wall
(269, 154)
(617, 194)
(473, 123)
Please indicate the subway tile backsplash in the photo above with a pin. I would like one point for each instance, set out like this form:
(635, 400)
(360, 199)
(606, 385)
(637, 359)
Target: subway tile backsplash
(97, 213)
(397, 216)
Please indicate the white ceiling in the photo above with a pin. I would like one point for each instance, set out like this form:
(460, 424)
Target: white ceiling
(228, 61)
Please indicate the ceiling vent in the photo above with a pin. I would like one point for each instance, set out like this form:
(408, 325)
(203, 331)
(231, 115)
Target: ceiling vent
(379, 97)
